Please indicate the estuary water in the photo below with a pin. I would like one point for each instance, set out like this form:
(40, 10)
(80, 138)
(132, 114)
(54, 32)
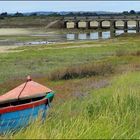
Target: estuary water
(53, 38)
(96, 35)
(64, 37)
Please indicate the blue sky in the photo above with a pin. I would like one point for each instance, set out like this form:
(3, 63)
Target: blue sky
(32, 6)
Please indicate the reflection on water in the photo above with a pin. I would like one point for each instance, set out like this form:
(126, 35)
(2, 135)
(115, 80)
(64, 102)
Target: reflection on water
(35, 43)
(68, 37)
(131, 31)
(106, 35)
(96, 35)
(118, 32)
(82, 36)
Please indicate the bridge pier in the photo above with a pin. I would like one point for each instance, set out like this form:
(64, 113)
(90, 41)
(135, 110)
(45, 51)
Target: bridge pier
(100, 25)
(137, 26)
(112, 28)
(76, 24)
(112, 33)
(65, 24)
(76, 36)
(125, 26)
(112, 25)
(88, 25)
(100, 35)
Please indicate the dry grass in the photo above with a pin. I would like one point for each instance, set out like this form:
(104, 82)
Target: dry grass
(13, 31)
(81, 71)
(120, 53)
(137, 53)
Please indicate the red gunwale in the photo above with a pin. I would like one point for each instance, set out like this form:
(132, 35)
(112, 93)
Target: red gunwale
(23, 107)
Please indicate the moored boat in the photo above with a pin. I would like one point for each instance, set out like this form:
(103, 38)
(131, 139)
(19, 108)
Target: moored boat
(24, 104)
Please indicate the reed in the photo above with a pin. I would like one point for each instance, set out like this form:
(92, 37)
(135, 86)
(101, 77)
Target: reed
(85, 70)
(89, 104)
(120, 53)
(109, 113)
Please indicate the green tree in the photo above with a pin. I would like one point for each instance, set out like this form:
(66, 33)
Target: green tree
(4, 14)
(132, 12)
(33, 14)
(17, 14)
(125, 13)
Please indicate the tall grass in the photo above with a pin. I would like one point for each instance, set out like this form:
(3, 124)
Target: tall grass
(121, 52)
(111, 112)
(80, 71)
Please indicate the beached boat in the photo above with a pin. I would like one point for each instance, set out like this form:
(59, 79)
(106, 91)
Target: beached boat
(24, 104)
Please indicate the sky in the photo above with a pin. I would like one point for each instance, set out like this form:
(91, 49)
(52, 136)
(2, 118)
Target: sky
(57, 6)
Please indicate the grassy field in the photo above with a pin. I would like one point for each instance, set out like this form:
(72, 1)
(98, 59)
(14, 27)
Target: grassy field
(26, 22)
(26, 34)
(111, 111)
(90, 104)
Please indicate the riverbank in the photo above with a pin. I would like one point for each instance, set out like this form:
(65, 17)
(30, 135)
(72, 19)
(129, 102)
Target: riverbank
(34, 36)
(22, 37)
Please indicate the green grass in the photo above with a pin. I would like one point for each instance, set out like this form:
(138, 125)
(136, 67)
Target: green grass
(43, 60)
(24, 38)
(110, 112)
(32, 21)
(97, 106)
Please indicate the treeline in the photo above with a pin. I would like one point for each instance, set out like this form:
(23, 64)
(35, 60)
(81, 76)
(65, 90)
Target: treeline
(5, 14)
(58, 14)
(131, 12)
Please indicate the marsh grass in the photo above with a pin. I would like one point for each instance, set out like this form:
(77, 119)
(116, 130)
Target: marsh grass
(110, 112)
(121, 52)
(80, 71)
(39, 59)
(137, 53)
(83, 107)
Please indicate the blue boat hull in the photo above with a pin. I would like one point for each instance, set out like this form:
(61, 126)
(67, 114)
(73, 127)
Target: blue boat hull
(12, 121)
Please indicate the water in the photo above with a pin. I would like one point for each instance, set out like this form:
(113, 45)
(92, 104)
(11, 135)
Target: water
(34, 43)
(53, 38)
(95, 35)
(78, 36)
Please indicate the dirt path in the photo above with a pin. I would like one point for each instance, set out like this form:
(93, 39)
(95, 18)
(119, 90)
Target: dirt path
(8, 49)
(78, 46)
(51, 24)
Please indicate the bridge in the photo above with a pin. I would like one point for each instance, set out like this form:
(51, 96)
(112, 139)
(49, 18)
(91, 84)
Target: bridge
(103, 22)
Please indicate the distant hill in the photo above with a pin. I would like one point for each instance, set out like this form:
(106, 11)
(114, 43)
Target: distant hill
(65, 13)
(72, 13)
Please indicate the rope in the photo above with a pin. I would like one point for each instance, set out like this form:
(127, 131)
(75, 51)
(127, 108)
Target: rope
(28, 79)
(22, 89)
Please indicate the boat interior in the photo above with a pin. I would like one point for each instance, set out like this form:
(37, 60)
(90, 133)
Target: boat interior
(20, 101)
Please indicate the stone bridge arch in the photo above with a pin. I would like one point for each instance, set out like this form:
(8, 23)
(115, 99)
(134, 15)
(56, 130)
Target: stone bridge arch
(93, 24)
(82, 24)
(105, 24)
(70, 24)
(131, 24)
(119, 24)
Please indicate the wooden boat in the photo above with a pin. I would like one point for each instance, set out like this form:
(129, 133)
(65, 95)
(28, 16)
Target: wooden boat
(24, 104)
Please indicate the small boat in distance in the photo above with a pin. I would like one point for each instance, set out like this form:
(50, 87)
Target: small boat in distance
(23, 104)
